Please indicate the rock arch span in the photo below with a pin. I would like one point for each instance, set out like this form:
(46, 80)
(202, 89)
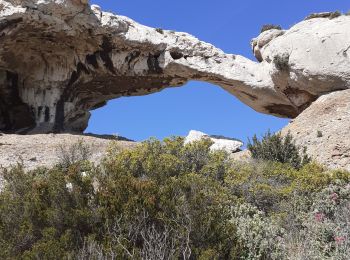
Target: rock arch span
(61, 59)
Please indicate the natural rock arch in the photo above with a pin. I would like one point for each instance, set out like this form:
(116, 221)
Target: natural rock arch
(61, 59)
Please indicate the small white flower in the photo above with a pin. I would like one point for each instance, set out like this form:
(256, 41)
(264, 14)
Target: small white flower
(69, 186)
(96, 185)
(84, 174)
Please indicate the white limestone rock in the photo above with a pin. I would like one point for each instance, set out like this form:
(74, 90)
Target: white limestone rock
(219, 142)
(60, 59)
(263, 39)
(316, 54)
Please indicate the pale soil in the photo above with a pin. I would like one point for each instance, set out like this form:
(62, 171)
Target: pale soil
(43, 149)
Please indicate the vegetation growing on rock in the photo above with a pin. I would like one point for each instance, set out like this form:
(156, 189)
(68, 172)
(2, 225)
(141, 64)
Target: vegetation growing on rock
(267, 27)
(167, 200)
(281, 62)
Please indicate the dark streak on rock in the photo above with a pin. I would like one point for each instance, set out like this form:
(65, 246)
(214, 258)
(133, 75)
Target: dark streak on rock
(47, 114)
(99, 105)
(40, 108)
(252, 97)
(6, 23)
(92, 60)
(153, 63)
(60, 116)
(107, 48)
(15, 114)
(282, 109)
(76, 74)
(59, 119)
(293, 92)
(133, 55)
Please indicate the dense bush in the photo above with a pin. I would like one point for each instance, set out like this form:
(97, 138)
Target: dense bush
(275, 147)
(160, 191)
(164, 200)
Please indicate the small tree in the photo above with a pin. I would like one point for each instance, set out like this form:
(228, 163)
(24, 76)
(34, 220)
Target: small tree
(274, 147)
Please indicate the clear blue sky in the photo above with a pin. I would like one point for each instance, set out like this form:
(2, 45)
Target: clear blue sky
(229, 25)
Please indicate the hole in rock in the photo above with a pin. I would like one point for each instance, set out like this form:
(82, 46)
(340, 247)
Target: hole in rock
(176, 55)
(176, 111)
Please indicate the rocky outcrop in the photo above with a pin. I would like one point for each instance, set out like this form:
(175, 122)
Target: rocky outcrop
(60, 59)
(229, 145)
(311, 59)
(46, 150)
(324, 129)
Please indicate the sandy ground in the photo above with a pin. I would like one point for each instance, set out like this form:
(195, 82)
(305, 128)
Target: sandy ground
(43, 149)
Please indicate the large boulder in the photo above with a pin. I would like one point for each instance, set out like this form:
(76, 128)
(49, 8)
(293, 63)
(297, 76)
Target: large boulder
(60, 59)
(324, 129)
(227, 144)
(311, 58)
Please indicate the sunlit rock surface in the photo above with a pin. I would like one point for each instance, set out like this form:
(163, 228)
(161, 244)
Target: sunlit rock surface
(60, 59)
(47, 150)
(229, 145)
(324, 129)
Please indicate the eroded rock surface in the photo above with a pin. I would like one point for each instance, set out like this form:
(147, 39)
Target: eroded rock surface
(60, 59)
(324, 129)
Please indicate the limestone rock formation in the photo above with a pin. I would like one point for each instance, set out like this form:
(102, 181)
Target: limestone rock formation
(324, 129)
(229, 145)
(60, 59)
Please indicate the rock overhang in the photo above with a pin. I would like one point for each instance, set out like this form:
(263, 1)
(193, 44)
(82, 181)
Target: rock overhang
(61, 59)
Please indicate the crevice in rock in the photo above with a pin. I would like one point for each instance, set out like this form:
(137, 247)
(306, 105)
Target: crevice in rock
(15, 114)
(153, 63)
(107, 48)
(277, 109)
(176, 55)
(252, 97)
(92, 60)
(6, 23)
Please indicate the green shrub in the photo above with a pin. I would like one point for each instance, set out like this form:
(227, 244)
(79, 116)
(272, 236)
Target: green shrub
(159, 30)
(167, 200)
(257, 233)
(45, 211)
(282, 62)
(268, 27)
(271, 185)
(335, 14)
(69, 154)
(329, 15)
(325, 229)
(274, 147)
(159, 198)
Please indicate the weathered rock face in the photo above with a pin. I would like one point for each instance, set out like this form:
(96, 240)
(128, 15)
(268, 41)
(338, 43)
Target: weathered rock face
(312, 58)
(229, 145)
(325, 130)
(59, 59)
